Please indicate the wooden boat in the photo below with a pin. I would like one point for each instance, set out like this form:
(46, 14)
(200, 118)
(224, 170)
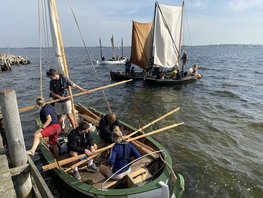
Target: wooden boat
(114, 60)
(150, 173)
(119, 76)
(169, 81)
(167, 42)
(153, 185)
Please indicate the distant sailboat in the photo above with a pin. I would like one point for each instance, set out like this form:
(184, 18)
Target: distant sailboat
(114, 60)
(166, 46)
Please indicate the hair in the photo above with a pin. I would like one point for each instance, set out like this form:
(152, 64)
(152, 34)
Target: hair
(83, 125)
(51, 72)
(40, 101)
(117, 135)
(111, 117)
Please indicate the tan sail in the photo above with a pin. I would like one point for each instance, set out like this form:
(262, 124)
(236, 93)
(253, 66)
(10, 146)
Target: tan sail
(141, 48)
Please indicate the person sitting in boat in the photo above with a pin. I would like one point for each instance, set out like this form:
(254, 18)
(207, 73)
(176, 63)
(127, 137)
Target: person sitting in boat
(193, 70)
(128, 67)
(173, 73)
(59, 90)
(50, 128)
(106, 126)
(79, 142)
(103, 58)
(120, 156)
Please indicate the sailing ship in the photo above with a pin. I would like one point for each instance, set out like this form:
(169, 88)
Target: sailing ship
(156, 48)
(166, 46)
(114, 60)
(150, 173)
(140, 52)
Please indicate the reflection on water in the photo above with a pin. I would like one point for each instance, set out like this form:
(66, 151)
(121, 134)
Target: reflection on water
(218, 149)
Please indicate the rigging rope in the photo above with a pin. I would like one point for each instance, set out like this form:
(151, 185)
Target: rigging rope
(89, 56)
(40, 52)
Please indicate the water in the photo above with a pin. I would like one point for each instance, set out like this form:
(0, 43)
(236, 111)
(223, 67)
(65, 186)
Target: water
(218, 149)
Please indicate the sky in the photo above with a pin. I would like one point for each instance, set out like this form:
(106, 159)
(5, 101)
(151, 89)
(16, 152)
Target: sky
(207, 22)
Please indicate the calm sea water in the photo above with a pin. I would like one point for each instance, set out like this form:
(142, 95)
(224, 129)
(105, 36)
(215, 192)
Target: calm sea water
(219, 148)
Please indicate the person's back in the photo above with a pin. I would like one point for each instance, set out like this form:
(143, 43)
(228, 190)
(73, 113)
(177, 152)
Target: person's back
(120, 156)
(106, 126)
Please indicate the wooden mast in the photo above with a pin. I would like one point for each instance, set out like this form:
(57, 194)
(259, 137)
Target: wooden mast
(180, 39)
(64, 61)
(122, 47)
(112, 45)
(100, 49)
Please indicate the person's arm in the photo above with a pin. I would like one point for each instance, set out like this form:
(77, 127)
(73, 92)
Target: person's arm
(48, 121)
(73, 144)
(134, 152)
(78, 87)
(54, 95)
(112, 158)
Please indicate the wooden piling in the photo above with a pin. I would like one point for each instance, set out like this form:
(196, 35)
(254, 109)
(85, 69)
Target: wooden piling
(15, 140)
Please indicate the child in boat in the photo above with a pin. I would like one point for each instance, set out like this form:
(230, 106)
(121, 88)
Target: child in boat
(79, 142)
(50, 128)
(120, 156)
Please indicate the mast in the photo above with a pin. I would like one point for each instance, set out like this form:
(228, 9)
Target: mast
(100, 49)
(122, 47)
(181, 30)
(59, 48)
(112, 45)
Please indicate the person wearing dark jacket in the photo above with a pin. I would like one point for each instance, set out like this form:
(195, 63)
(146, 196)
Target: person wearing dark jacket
(120, 156)
(106, 125)
(79, 142)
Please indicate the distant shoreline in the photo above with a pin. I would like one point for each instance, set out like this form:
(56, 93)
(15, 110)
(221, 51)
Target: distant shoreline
(217, 45)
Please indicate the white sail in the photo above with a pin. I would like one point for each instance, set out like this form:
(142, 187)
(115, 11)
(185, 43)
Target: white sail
(167, 38)
(55, 37)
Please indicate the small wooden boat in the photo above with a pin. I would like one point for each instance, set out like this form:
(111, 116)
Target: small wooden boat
(120, 61)
(119, 76)
(148, 178)
(152, 80)
(114, 60)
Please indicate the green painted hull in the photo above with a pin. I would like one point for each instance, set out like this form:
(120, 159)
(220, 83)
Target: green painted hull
(148, 190)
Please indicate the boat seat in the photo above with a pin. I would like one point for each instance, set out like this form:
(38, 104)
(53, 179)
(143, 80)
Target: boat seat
(108, 184)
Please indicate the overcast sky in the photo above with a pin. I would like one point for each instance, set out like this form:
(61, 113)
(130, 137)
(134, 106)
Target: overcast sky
(207, 21)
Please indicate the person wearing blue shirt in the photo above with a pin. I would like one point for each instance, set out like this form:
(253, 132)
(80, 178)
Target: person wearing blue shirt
(120, 156)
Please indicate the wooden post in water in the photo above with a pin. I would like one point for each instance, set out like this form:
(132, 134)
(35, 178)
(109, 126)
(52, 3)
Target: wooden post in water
(15, 140)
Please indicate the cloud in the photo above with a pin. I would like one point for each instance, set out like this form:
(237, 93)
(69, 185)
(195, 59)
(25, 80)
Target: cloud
(242, 5)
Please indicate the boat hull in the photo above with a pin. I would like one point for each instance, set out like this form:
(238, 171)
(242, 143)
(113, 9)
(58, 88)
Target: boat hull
(150, 190)
(112, 62)
(119, 76)
(169, 82)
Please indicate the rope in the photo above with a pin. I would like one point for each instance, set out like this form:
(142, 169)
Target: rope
(169, 166)
(40, 51)
(89, 57)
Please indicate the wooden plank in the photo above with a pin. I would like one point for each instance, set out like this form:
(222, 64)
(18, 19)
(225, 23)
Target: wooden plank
(85, 110)
(89, 119)
(41, 184)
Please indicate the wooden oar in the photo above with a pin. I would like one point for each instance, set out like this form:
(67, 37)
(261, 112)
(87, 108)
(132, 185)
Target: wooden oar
(32, 107)
(73, 159)
(129, 140)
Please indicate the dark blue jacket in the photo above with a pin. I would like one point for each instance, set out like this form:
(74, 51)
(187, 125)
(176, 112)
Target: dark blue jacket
(120, 156)
(48, 110)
